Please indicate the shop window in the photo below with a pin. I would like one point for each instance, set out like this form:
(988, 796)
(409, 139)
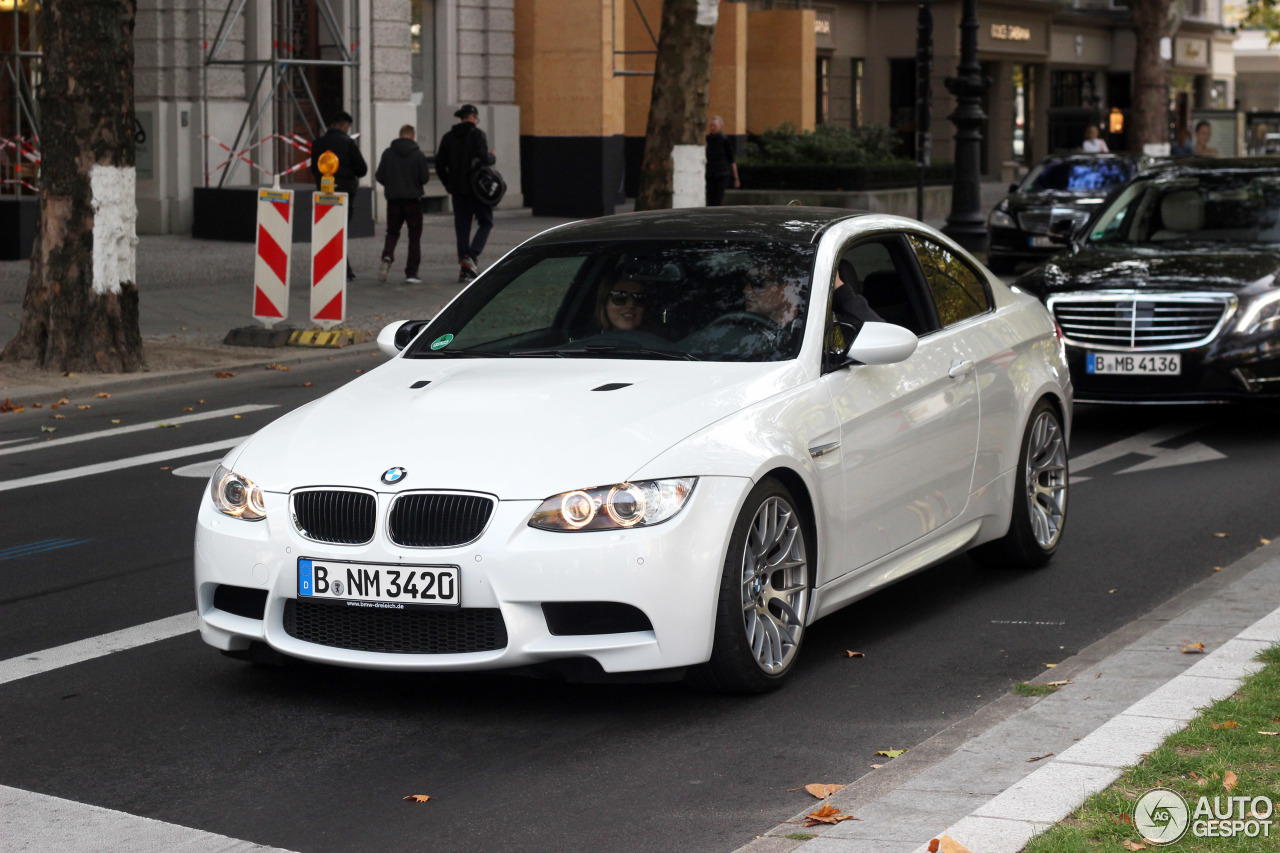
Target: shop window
(422, 40)
(857, 92)
(902, 103)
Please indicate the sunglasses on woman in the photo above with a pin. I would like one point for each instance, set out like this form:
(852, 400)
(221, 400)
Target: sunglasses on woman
(622, 297)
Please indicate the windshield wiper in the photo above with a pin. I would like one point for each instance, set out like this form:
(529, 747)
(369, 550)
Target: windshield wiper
(602, 349)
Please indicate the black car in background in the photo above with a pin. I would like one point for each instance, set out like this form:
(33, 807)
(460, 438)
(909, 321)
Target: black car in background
(1173, 295)
(1062, 187)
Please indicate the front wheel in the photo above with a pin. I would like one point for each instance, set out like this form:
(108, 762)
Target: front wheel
(764, 595)
(1040, 496)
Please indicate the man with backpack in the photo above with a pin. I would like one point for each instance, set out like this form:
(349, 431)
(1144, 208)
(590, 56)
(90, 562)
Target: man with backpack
(463, 149)
(403, 171)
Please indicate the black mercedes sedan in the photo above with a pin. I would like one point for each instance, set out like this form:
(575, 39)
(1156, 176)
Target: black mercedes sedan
(1060, 188)
(1173, 294)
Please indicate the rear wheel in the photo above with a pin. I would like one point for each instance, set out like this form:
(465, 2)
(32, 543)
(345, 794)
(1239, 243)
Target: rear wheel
(1040, 499)
(764, 595)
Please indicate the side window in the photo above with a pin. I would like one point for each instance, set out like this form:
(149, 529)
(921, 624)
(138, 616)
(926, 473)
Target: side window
(958, 292)
(882, 272)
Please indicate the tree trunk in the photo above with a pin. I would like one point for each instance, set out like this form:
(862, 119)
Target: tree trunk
(1149, 119)
(80, 311)
(681, 91)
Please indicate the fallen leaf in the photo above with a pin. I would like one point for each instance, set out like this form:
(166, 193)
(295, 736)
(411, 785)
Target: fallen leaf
(182, 328)
(829, 815)
(115, 420)
(188, 408)
(1272, 734)
(1125, 818)
(7, 405)
(1039, 757)
(1229, 724)
(59, 417)
(360, 370)
(1097, 675)
(822, 791)
(69, 373)
(84, 406)
(102, 395)
(1132, 845)
(306, 384)
(1264, 541)
(1221, 535)
(850, 654)
(37, 405)
(236, 417)
(169, 426)
(1230, 780)
(47, 429)
(200, 402)
(64, 401)
(223, 374)
(933, 846)
(876, 766)
(275, 365)
(947, 844)
(1217, 568)
(1050, 665)
(166, 468)
(890, 753)
(418, 798)
(1193, 649)
(1060, 683)
(1111, 592)
(53, 405)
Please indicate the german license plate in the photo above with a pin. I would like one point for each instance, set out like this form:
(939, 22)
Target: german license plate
(1041, 243)
(377, 586)
(1163, 364)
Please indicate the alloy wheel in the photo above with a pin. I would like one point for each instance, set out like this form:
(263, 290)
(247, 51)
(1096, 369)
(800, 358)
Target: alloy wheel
(1046, 479)
(775, 585)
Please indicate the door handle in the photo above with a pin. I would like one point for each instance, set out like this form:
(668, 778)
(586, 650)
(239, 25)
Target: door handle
(960, 368)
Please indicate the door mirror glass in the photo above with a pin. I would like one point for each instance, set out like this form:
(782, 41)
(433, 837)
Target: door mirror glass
(882, 343)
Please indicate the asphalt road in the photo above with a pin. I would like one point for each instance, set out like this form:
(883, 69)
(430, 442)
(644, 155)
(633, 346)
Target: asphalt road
(318, 759)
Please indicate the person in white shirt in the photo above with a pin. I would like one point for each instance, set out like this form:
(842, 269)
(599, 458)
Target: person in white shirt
(1092, 144)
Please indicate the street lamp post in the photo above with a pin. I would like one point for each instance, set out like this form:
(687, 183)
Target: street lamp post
(966, 224)
(924, 100)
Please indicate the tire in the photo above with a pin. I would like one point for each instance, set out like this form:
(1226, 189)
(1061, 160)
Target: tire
(1040, 498)
(764, 596)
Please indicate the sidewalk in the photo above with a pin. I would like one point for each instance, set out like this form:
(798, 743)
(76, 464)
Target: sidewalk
(1020, 765)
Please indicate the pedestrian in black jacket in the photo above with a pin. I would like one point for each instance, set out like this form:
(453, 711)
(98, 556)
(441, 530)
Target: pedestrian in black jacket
(403, 171)
(462, 146)
(351, 164)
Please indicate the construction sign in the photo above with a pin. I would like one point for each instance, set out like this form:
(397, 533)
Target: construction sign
(273, 258)
(329, 259)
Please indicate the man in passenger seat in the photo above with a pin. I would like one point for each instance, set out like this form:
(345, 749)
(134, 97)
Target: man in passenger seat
(847, 300)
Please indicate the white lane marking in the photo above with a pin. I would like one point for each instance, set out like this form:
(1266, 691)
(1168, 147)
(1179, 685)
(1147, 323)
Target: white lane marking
(200, 470)
(1146, 444)
(131, 462)
(1187, 455)
(149, 425)
(95, 647)
(31, 821)
(15, 441)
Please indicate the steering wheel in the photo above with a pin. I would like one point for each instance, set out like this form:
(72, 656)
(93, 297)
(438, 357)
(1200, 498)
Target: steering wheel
(745, 318)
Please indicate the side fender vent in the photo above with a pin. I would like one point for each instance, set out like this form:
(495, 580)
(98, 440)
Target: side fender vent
(613, 386)
(421, 383)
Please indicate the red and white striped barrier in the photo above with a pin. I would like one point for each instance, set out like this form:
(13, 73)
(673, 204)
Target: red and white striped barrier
(329, 259)
(273, 257)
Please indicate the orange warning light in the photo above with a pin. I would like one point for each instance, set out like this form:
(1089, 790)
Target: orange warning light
(327, 164)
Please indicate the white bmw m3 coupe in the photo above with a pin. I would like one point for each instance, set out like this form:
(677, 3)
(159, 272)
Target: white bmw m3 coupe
(663, 442)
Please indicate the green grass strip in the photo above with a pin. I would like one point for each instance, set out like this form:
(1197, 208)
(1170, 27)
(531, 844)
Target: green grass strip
(1193, 762)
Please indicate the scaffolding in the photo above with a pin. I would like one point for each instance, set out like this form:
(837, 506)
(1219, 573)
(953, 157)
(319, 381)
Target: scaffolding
(19, 116)
(283, 114)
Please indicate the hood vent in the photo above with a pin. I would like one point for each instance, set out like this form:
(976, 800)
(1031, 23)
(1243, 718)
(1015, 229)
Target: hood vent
(421, 383)
(613, 386)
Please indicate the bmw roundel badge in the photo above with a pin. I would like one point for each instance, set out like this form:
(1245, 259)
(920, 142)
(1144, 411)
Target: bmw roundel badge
(393, 476)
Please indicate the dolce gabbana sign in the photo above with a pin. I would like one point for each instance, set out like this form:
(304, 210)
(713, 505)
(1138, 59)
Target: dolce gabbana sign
(1010, 32)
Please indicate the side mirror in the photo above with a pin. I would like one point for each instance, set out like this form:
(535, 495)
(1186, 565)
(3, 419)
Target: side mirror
(1060, 232)
(882, 343)
(398, 335)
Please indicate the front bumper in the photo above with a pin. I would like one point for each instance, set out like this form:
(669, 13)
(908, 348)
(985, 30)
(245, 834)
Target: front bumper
(1208, 376)
(1015, 244)
(670, 572)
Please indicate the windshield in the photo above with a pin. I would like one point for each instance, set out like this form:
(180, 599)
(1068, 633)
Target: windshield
(1078, 176)
(716, 300)
(1214, 207)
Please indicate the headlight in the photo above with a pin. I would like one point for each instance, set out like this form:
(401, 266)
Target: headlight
(236, 496)
(1000, 219)
(617, 507)
(1262, 314)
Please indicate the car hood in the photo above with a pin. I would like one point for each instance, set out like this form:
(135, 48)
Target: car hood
(516, 428)
(1149, 268)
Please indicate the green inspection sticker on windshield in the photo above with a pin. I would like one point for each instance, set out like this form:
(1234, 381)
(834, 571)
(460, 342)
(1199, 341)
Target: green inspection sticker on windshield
(442, 342)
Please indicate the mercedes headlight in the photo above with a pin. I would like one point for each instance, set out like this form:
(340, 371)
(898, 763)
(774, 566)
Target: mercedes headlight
(1261, 315)
(1000, 219)
(236, 496)
(617, 507)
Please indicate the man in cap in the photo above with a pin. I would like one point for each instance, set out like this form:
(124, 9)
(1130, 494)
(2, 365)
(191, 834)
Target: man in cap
(463, 148)
(351, 164)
